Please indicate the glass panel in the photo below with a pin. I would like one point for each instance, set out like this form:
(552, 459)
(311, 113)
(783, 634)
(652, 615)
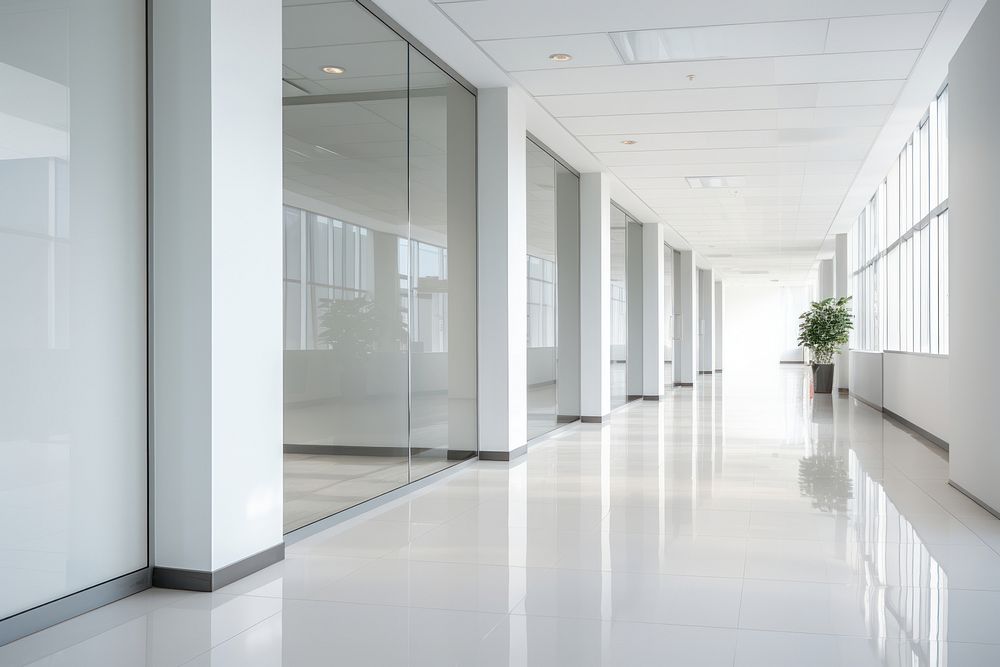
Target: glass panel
(442, 276)
(72, 296)
(346, 373)
(633, 264)
(943, 318)
(619, 308)
(942, 107)
(542, 302)
(934, 286)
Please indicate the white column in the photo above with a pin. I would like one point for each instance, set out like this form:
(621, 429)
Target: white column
(216, 307)
(595, 296)
(652, 311)
(502, 278)
(974, 236)
(686, 325)
(720, 309)
(706, 320)
(826, 279)
(841, 287)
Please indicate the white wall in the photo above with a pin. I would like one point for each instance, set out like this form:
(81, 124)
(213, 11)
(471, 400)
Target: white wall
(915, 387)
(974, 91)
(754, 333)
(762, 324)
(866, 376)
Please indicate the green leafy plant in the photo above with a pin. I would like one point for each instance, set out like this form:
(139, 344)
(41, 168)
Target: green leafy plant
(826, 327)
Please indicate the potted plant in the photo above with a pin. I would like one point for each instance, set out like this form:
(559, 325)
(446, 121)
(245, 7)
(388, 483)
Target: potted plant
(824, 329)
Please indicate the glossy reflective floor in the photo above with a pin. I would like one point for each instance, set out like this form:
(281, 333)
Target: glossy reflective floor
(739, 523)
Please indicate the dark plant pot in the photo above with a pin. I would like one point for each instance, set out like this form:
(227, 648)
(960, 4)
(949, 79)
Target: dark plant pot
(822, 378)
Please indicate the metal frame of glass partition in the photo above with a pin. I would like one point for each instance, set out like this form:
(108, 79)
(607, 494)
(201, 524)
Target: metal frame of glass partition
(380, 277)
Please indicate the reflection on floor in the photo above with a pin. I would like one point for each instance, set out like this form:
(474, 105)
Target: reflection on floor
(542, 410)
(738, 523)
(317, 486)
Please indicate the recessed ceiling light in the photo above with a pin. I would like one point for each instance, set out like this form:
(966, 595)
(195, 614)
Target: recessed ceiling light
(560, 57)
(629, 142)
(333, 69)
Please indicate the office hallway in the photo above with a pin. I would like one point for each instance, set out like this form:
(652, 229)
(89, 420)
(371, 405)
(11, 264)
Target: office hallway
(738, 523)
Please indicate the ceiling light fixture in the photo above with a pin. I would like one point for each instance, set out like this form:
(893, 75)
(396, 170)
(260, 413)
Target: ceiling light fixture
(333, 69)
(629, 142)
(560, 57)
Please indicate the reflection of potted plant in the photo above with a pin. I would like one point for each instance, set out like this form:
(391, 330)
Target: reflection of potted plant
(824, 329)
(358, 330)
(825, 478)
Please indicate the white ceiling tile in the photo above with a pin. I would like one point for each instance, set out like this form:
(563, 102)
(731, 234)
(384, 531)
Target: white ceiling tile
(533, 53)
(741, 40)
(492, 19)
(857, 93)
(880, 33)
(714, 99)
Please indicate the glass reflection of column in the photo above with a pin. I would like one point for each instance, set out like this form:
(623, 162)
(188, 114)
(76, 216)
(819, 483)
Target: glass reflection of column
(442, 177)
(905, 587)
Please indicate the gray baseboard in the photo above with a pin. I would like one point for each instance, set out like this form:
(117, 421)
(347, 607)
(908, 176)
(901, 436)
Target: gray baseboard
(844, 390)
(503, 456)
(791, 362)
(684, 384)
(346, 450)
(923, 433)
(866, 402)
(205, 581)
(705, 372)
(65, 608)
(591, 419)
(567, 419)
(652, 398)
(974, 498)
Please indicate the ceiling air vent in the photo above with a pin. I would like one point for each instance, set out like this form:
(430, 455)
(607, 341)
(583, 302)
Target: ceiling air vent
(698, 182)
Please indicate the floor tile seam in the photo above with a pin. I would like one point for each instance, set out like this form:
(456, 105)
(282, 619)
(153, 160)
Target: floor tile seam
(226, 641)
(393, 605)
(91, 635)
(559, 568)
(976, 533)
(686, 626)
(867, 637)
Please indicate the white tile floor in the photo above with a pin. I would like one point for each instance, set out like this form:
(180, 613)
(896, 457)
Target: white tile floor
(736, 524)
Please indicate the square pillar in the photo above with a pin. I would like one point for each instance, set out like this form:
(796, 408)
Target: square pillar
(720, 309)
(595, 297)
(652, 311)
(706, 321)
(503, 309)
(826, 279)
(842, 287)
(686, 325)
(216, 296)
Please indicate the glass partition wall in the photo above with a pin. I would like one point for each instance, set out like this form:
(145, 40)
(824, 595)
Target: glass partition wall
(380, 262)
(73, 464)
(553, 296)
(626, 308)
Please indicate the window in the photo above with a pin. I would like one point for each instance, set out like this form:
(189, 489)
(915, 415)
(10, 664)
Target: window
(899, 248)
